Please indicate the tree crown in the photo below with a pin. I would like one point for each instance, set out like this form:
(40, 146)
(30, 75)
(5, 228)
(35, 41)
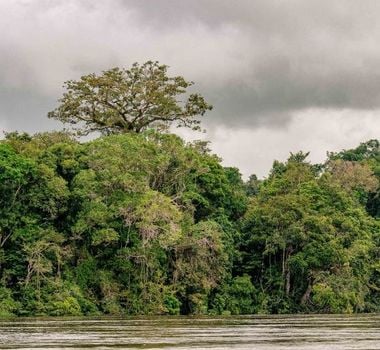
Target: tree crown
(130, 100)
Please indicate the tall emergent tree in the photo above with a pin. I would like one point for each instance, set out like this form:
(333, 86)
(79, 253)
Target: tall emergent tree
(130, 100)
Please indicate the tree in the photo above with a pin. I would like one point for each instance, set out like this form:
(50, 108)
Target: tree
(129, 100)
(355, 177)
(308, 243)
(363, 159)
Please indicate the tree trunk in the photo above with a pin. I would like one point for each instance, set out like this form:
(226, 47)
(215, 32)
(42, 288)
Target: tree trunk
(286, 268)
(287, 281)
(306, 296)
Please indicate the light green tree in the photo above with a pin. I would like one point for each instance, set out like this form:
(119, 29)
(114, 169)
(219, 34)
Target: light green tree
(130, 100)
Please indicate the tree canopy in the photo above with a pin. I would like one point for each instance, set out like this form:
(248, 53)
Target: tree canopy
(130, 100)
(138, 221)
(144, 223)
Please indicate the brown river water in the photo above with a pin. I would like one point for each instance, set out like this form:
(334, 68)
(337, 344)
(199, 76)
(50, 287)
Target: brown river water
(245, 332)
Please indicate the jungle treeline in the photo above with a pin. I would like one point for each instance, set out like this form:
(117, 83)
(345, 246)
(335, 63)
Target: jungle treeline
(137, 221)
(144, 223)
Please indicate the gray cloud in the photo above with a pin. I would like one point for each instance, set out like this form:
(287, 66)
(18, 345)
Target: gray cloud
(261, 63)
(283, 55)
(254, 59)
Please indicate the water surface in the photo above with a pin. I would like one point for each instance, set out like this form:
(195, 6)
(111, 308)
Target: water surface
(253, 332)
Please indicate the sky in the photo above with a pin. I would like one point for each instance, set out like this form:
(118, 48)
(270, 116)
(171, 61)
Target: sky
(282, 76)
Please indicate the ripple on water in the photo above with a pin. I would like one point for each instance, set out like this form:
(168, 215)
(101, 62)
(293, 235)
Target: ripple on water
(249, 332)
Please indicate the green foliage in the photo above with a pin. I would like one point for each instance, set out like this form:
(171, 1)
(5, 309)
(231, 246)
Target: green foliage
(143, 223)
(172, 304)
(129, 100)
(307, 241)
(342, 292)
(8, 306)
(236, 298)
(365, 159)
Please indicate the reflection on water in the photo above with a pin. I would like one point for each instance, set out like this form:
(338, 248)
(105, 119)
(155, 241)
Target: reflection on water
(253, 332)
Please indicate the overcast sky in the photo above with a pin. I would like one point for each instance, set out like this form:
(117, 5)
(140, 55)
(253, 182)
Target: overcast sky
(282, 75)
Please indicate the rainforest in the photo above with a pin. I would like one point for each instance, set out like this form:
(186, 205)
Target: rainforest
(136, 221)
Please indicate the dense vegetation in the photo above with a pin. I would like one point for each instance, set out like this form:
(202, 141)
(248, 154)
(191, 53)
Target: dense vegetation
(140, 222)
(144, 223)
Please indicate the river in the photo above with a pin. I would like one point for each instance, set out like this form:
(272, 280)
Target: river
(253, 332)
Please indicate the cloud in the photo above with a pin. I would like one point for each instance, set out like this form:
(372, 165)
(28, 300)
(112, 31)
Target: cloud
(264, 65)
(314, 130)
(263, 60)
